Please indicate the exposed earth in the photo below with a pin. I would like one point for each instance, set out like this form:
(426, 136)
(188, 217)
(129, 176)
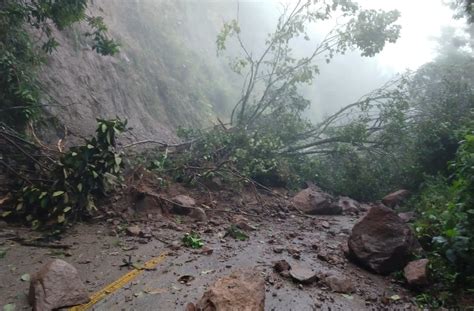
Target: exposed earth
(310, 244)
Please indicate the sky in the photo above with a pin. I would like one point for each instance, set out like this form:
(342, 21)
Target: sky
(421, 21)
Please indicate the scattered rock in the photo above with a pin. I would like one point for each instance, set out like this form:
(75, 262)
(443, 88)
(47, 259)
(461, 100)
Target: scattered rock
(349, 206)
(242, 290)
(295, 253)
(242, 223)
(314, 201)
(56, 285)
(185, 205)
(325, 225)
(281, 266)
(395, 198)
(381, 241)
(416, 272)
(133, 231)
(303, 275)
(184, 200)
(339, 284)
(407, 217)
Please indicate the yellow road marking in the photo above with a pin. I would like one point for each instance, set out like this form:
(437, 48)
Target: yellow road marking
(118, 284)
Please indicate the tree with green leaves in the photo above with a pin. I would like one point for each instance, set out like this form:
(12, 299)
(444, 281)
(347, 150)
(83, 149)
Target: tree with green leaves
(26, 36)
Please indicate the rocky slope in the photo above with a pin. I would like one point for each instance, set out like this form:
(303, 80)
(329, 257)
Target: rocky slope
(167, 73)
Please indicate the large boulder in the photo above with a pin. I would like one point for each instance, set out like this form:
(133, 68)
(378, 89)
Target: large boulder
(56, 285)
(314, 201)
(381, 241)
(416, 272)
(242, 290)
(395, 198)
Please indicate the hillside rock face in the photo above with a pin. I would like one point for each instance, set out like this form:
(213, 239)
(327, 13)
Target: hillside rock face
(381, 241)
(163, 77)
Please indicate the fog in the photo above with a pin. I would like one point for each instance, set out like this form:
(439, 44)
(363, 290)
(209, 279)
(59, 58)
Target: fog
(349, 76)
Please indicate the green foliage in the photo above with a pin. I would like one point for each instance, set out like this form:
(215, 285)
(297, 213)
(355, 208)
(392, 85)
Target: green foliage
(193, 240)
(446, 225)
(82, 174)
(236, 233)
(21, 52)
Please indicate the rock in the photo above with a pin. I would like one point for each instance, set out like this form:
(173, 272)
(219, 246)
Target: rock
(381, 241)
(416, 272)
(303, 275)
(339, 284)
(242, 223)
(56, 285)
(242, 290)
(134, 231)
(190, 307)
(395, 198)
(281, 266)
(325, 225)
(349, 206)
(407, 217)
(184, 200)
(313, 201)
(186, 206)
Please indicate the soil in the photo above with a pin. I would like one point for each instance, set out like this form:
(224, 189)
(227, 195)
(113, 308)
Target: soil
(99, 249)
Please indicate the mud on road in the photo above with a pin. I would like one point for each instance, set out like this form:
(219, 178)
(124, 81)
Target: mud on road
(99, 250)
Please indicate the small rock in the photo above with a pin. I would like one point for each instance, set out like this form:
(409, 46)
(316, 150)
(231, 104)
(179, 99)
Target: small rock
(133, 231)
(281, 265)
(303, 275)
(242, 223)
(349, 206)
(190, 307)
(242, 290)
(56, 285)
(278, 250)
(325, 224)
(416, 272)
(407, 217)
(339, 284)
(184, 200)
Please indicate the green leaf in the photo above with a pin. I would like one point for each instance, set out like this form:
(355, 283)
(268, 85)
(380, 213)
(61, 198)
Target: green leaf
(9, 307)
(3, 253)
(61, 219)
(67, 209)
(58, 193)
(6, 214)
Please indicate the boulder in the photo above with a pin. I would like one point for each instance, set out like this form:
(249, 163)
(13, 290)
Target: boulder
(242, 290)
(349, 206)
(185, 205)
(395, 198)
(381, 241)
(339, 284)
(56, 285)
(416, 272)
(314, 201)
